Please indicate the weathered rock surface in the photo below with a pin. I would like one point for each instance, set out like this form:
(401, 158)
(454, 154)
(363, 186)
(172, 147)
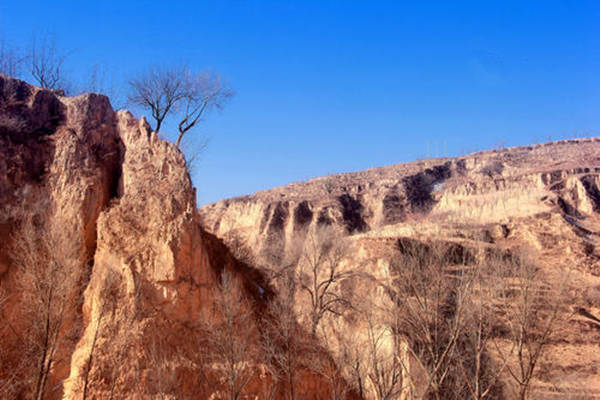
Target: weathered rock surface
(544, 196)
(489, 187)
(145, 270)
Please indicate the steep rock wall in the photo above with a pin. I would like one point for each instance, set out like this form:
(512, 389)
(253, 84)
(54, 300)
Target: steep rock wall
(145, 272)
(490, 187)
(60, 166)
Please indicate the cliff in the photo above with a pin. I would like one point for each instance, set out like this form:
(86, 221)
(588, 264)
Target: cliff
(490, 187)
(543, 197)
(107, 280)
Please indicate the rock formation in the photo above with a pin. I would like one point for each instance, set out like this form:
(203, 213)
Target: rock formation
(99, 227)
(489, 187)
(545, 197)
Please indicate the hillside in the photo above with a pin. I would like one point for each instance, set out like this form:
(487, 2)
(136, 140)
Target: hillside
(545, 198)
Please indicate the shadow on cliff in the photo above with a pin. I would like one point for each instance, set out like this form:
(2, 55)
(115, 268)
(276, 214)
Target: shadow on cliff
(265, 300)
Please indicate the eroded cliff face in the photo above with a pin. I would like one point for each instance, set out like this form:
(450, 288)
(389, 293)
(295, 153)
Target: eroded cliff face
(59, 163)
(545, 197)
(492, 187)
(141, 272)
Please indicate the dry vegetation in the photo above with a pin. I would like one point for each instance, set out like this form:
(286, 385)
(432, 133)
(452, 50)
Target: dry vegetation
(230, 347)
(37, 323)
(459, 323)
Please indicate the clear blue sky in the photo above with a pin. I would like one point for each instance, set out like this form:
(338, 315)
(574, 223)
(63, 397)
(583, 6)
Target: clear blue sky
(334, 86)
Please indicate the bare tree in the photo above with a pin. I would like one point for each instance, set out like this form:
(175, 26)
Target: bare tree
(283, 340)
(202, 92)
(330, 370)
(331, 362)
(430, 297)
(11, 61)
(319, 273)
(354, 360)
(371, 354)
(480, 373)
(159, 89)
(232, 349)
(167, 90)
(385, 369)
(47, 63)
(530, 312)
(45, 258)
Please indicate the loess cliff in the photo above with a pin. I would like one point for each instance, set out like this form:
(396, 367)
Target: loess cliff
(545, 198)
(107, 281)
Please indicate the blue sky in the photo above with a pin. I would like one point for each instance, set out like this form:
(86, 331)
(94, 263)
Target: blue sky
(335, 86)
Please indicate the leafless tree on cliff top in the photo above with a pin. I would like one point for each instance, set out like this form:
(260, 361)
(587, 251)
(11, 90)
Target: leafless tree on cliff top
(231, 348)
(47, 63)
(168, 90)
(160, 90)
(204, 91)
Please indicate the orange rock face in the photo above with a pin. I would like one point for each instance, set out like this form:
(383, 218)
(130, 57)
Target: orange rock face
(141, 272)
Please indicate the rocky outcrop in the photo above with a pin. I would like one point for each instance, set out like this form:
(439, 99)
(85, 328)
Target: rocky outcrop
(60, 163)
(543, 197)
(489, 187)
(142, 272)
